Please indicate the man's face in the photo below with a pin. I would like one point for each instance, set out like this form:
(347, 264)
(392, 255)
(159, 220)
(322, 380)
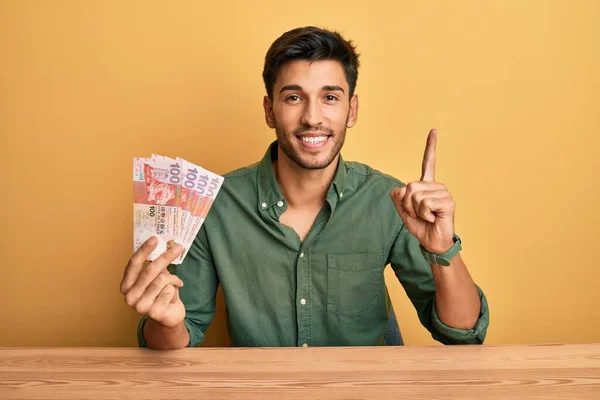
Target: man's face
(310, 111)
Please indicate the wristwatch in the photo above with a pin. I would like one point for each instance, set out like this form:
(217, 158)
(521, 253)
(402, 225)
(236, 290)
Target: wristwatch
(443, 258)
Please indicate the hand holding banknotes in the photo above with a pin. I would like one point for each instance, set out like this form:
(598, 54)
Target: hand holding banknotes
(171, 199)
(150, 288)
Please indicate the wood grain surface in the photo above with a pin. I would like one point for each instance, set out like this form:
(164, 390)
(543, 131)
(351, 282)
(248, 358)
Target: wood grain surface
(559, 371)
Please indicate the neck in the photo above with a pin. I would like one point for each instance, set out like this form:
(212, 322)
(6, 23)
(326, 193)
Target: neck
(303, 188)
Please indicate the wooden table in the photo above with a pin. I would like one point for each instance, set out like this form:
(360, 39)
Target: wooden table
(436, 372)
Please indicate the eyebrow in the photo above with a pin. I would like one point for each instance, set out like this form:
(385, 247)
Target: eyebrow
(327, 88)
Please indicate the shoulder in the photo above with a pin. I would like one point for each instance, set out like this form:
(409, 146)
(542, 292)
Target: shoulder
(242, 172)
(244, 178)
(362, 174)
(238, 185)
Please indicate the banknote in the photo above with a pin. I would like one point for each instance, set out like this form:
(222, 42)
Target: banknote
(171, 199)
(207, 186)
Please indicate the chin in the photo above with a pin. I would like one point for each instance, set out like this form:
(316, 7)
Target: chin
(315, 164)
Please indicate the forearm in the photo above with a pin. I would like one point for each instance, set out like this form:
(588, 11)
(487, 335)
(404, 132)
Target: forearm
(159, 337)
(456, 297)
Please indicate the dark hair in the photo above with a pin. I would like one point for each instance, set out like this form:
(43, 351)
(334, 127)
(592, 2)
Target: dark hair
(310, 43)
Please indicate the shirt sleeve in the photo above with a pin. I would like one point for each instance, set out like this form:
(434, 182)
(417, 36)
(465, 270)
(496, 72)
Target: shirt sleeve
(198, 294)
(416, 277)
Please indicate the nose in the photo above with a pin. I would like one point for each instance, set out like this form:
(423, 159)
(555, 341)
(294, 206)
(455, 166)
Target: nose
(312, 114)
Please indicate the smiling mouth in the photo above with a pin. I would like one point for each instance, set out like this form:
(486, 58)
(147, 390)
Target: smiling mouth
(315, 140)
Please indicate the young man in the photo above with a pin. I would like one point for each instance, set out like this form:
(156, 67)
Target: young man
(299, 241)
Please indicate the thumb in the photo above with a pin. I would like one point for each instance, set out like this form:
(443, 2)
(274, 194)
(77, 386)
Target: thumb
(397, 196)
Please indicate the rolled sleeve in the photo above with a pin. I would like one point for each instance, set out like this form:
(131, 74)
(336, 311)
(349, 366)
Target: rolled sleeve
(449, 335)
(416, 277)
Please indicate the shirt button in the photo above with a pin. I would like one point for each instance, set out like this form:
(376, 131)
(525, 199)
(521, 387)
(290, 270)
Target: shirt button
(341, 195)
(304, 344)
(301, 254)
(280, 203)
(264, 205)
(303, 301)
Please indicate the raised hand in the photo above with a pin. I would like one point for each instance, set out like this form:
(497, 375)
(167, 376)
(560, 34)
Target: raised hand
(426, 206)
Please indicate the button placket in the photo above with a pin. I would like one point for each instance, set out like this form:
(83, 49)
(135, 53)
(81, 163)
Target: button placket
(303, 291)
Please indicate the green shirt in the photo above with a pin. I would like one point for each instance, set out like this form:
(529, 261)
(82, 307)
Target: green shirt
(326, 291)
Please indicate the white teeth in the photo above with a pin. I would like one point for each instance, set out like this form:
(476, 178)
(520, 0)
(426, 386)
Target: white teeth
(313, 140)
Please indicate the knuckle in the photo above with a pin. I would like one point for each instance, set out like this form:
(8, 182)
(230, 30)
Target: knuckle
(169, 290)
(173, 280)
(155, 314)
(140, 307)
(134, 260)
(156, 285)
(164, 280)
(160, 280)
(418, 196)
(129, 300)
(147, 271)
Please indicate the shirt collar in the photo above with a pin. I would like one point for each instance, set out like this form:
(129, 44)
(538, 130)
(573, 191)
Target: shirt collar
(269, 193)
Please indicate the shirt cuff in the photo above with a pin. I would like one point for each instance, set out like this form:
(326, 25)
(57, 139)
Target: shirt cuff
(448, 335)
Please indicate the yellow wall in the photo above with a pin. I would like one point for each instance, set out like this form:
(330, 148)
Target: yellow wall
(512, 86)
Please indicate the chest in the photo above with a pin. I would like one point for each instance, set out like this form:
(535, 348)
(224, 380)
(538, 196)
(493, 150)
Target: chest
(301, 221)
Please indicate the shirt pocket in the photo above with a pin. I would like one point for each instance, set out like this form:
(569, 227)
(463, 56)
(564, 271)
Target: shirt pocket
(354, 283)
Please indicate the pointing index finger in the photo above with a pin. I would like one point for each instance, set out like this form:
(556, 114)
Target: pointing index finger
(428, 167)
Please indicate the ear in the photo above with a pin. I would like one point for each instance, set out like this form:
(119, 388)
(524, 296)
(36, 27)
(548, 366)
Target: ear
(268, 112)
(353, 112)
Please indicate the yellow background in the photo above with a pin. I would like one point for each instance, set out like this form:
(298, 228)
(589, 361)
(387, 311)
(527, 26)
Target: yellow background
(512, 86)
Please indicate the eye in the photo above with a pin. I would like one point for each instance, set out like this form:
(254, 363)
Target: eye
(330, 97)
(293, 98)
